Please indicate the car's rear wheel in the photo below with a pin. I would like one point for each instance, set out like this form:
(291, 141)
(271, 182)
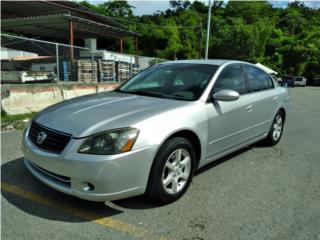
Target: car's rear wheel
(172, 170)
(276, 130)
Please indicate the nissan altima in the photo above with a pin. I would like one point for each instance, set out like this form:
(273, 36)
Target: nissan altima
(154, 131)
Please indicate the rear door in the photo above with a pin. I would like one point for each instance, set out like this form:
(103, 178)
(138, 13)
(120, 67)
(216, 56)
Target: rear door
(263, 98)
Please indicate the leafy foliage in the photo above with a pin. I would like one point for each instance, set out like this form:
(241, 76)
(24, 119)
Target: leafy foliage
(287, 40)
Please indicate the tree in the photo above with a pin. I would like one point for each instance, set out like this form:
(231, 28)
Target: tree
(199, 7)
(118, 8)
(179, 4)
(234, 41)
(111, 8)
(249, 11)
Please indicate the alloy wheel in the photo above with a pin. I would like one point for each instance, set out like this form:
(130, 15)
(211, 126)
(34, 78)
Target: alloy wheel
(277, 127)
(176, 171)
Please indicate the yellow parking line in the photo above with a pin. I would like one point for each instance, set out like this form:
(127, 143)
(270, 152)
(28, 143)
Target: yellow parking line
(81, 213)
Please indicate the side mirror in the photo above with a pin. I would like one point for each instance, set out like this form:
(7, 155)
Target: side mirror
(226, 95)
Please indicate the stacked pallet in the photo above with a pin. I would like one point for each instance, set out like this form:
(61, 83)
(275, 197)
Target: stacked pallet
(72, 71)
(123, 71)
(85, 70)
(66, 71)
(107, 70)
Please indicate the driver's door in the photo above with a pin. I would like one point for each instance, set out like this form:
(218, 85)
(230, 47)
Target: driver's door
(229, 122)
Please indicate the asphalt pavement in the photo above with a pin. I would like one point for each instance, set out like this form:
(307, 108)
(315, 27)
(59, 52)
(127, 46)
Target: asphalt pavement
(256, 193)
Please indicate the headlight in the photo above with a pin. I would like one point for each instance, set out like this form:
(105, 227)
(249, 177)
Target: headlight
(110, 142)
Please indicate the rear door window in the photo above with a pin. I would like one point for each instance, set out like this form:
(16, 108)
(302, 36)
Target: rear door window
(231, 78)
(257, 79)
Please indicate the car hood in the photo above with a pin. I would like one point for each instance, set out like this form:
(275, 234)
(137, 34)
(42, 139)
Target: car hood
(87, 115)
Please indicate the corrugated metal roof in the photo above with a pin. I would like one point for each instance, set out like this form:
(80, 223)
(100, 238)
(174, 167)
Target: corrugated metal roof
(56, 25)
(12, 9)
(31, 11)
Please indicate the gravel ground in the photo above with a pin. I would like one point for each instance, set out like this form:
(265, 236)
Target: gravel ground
(256, 193)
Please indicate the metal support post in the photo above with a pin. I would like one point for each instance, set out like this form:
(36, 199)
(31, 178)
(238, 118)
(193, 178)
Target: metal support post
(57, 62)
(208, 30)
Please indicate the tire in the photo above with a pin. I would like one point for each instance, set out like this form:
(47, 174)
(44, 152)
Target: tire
(168, 180)
(276, 129)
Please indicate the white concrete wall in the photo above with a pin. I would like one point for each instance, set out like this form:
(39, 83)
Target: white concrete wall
(77, 92)
(21, 99)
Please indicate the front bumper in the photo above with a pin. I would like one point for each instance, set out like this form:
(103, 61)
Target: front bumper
(113, 176)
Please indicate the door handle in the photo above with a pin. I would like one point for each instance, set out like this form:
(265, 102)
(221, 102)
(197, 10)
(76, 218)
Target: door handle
(275, 99)
(249, 108)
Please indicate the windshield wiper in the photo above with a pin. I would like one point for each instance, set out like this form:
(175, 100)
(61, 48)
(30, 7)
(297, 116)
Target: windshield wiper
(143, 93)
(179, 98)
(117, 90)
(152, 94)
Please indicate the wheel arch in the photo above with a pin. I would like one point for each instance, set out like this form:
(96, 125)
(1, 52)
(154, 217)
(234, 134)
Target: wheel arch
(190, 136)
(281, 109)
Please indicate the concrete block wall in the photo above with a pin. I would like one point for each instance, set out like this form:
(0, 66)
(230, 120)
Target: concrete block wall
(77, 90)
(21, 99)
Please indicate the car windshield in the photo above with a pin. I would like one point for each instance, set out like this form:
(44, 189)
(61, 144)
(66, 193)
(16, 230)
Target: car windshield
(182, 81)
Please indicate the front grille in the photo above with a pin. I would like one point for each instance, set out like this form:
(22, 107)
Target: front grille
(53, 176)
(54, 141)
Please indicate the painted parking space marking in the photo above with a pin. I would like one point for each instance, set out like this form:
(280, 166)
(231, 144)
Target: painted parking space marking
(109, 222)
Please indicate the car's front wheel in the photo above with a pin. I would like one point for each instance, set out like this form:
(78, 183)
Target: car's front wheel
(172, 170)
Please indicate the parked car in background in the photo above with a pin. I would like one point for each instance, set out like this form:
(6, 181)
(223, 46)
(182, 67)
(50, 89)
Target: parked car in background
(153, 132)
(300, 81)
(288, 81)
(293, 81)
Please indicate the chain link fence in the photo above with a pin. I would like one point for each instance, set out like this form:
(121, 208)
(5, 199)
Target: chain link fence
(27, 60)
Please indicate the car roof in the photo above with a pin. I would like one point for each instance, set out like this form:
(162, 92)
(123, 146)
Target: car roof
(217, 62)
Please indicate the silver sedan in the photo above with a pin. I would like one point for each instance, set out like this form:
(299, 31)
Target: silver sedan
(154, 131)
